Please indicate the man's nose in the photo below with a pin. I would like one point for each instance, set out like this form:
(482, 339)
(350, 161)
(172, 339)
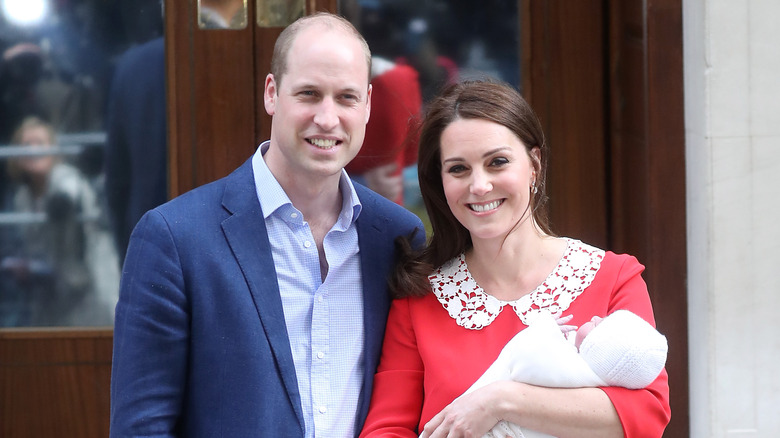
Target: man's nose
(326, 116)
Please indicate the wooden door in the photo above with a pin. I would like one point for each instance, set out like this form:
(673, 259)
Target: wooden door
(55, 382)
(647, 172)
(606, 79)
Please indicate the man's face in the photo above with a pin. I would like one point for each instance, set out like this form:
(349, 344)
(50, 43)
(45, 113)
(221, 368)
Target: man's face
(320, 107)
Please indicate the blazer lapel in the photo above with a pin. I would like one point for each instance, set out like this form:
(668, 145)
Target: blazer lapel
(374, 262)
(247, 236)
(376, 255)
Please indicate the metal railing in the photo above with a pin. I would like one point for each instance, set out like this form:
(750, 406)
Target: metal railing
(67, 144)
(14, 218)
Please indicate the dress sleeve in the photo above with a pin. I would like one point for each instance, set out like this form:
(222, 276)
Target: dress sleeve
(643, 412)
(397, 399)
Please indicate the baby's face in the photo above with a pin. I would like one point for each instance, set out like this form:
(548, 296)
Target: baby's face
(585, 329)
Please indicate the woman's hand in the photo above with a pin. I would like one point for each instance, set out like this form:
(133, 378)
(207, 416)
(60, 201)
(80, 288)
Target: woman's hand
(563, 412)
(469, 416)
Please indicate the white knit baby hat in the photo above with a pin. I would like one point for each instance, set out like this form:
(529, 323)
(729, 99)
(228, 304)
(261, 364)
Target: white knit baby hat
(624, 350)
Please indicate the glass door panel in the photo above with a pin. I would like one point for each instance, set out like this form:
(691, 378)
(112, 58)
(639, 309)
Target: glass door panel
(81, 84)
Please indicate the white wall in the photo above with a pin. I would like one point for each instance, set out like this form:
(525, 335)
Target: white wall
(732, 110)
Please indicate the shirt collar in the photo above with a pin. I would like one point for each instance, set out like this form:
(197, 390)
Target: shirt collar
(272, 196)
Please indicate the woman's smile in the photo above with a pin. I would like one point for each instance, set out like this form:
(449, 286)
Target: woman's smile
(485, 207)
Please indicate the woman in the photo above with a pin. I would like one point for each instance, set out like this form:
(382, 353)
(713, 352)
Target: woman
(492, 266)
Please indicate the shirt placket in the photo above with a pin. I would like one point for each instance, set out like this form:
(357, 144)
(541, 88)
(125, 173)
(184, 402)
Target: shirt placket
(320, 355)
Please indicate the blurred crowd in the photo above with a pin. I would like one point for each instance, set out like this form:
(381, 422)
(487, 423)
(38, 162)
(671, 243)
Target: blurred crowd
(82, 128)
(59, 265)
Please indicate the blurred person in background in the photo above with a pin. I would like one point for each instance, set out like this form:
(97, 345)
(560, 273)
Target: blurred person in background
(390, 146)
(136, 165)
(54, 262)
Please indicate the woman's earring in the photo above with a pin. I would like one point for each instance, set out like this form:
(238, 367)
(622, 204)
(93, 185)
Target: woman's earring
(534, 189)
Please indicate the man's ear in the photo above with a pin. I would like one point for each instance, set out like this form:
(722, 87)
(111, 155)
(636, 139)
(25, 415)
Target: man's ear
(368, 102)
(270, 94)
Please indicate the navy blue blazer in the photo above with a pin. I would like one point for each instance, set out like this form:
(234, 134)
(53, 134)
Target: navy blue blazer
(200, 342)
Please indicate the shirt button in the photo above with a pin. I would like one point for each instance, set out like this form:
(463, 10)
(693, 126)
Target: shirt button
(307, 244)
(320, 355)
(323, 409)
(293, 215)
(320, 298)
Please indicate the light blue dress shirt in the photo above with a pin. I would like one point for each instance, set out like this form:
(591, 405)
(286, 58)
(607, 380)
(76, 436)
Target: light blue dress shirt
(324, 319)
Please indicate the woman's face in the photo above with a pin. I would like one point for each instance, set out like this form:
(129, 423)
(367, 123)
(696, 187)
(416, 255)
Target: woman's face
(37, 136)
(487, 176)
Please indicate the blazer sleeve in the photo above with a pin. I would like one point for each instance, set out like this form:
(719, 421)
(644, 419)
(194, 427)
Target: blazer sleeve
(400, 372)
(643, 412)
(151, 335)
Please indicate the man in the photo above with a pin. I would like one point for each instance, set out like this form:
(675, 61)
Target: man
(255, 305)
(136, 149)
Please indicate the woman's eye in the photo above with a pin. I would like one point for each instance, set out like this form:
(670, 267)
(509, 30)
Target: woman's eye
(500, 161)
(456, 169)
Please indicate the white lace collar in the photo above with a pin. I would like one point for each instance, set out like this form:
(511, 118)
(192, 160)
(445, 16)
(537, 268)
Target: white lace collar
(472, 308)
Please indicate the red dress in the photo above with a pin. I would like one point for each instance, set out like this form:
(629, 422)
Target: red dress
(437, 346)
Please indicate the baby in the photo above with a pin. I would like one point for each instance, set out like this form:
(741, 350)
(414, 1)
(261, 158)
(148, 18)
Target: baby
(620, 349)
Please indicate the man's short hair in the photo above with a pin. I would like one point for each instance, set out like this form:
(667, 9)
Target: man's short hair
(287, 37)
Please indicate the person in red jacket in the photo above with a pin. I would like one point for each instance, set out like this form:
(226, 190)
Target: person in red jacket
(390, 145)
(492, 266)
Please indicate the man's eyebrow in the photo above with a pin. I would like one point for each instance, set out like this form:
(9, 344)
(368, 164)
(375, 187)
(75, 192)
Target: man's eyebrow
(353, 90)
